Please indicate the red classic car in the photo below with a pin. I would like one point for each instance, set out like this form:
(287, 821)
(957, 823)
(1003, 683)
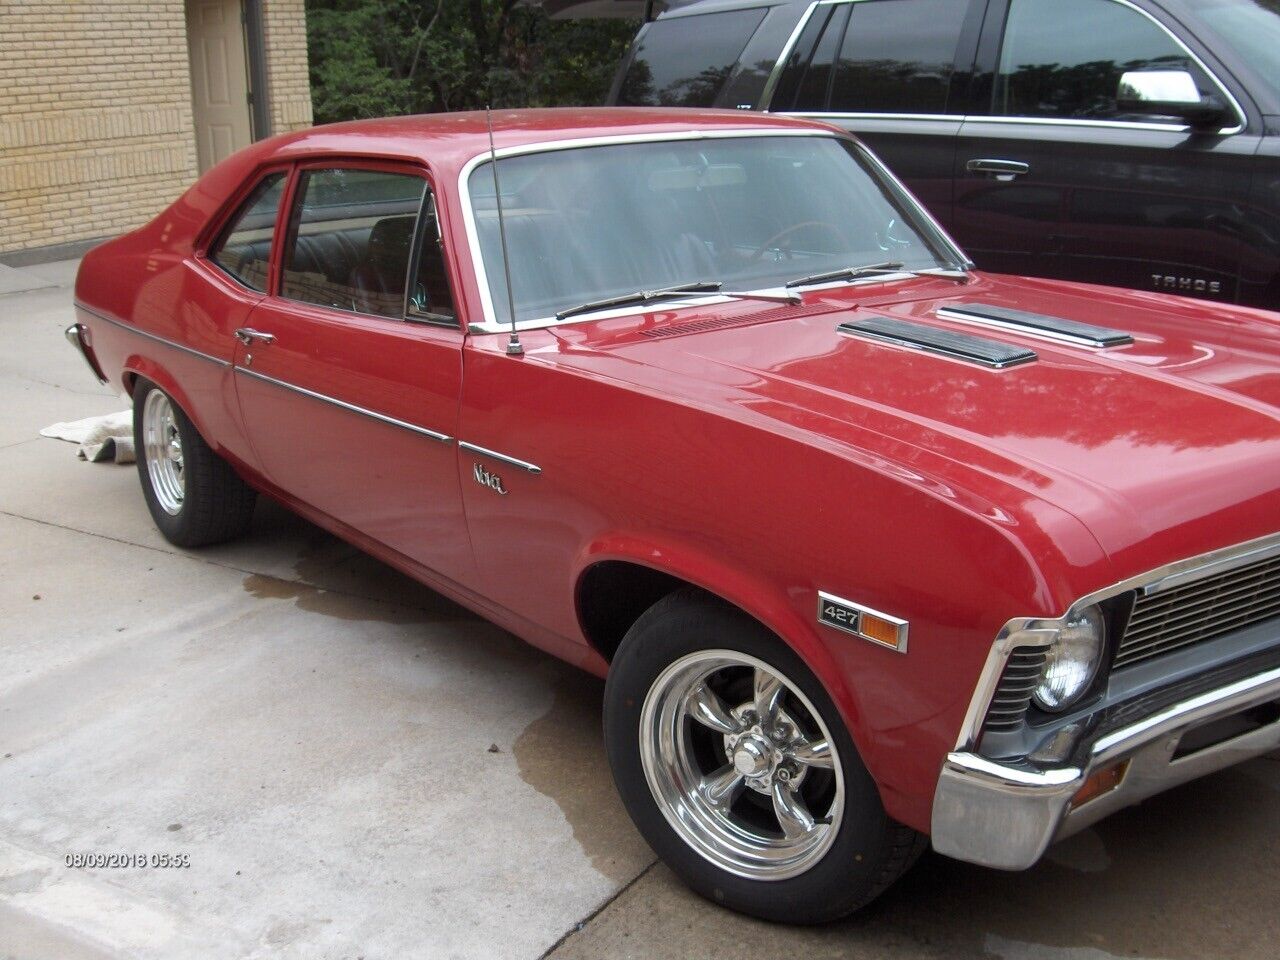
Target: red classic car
(873, 548)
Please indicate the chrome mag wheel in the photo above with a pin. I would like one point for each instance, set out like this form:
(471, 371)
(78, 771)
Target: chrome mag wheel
(162, 452)
(741, 765)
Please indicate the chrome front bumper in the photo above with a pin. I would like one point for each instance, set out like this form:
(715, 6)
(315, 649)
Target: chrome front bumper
(1006, 817)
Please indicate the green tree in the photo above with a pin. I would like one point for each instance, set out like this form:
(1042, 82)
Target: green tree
(372, 58)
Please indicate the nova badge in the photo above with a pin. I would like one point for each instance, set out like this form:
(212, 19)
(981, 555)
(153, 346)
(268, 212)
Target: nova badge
(487, 479)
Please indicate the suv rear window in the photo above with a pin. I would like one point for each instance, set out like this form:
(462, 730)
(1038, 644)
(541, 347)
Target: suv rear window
(685, 61)
(895, 56)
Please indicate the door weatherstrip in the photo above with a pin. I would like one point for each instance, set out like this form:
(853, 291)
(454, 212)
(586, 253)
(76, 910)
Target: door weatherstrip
(411, 427)
(486, 452)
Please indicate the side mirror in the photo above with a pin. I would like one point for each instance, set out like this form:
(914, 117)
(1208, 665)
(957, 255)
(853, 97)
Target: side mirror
(1169, 93)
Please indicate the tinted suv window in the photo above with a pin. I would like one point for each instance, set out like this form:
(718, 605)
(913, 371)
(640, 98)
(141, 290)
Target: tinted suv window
(897, 56)
(245, 246)
(894, 56)
(684, 62)
(1064, 58)
(350, 236)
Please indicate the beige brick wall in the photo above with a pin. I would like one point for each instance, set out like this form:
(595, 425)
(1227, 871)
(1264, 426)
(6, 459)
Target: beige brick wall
(95, 112)
(285, 29)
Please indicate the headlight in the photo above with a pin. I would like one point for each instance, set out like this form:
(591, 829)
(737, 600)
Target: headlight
(1072, 661)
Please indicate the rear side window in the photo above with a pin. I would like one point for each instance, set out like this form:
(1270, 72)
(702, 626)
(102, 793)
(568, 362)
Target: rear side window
(244, 248)
(351, 232)
(685, 61)
(1064, 59)
(876, 56)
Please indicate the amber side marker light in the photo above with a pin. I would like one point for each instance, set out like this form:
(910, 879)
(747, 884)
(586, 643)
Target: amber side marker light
(1101, 783)
(878, 629)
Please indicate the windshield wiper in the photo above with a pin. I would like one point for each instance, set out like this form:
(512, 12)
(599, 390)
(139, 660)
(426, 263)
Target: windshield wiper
(848, 273)
(687, 290)
(641, 297)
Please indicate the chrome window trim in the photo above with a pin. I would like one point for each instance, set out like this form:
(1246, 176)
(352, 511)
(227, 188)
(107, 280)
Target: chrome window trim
(771, 82)
(491, 324)
(866, 115)
(1241, 116)
(350, 407)
(486, 452)
(151, 336)
(1038, 631)
(766, 99)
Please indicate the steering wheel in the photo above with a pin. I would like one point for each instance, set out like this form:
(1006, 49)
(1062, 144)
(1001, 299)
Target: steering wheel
(777, 238)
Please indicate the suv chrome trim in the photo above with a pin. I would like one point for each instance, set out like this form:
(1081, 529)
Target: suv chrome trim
(992, 354)
(1037, 631)
(75, 335)
(766, 97)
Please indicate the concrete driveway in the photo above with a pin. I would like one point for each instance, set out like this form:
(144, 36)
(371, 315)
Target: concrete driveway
(356, 767)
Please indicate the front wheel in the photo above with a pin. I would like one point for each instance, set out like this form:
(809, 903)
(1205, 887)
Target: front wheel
(735, 766)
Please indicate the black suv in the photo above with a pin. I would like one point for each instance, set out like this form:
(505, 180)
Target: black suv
(1127, 142)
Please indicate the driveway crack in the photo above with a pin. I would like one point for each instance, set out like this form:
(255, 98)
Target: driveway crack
(582, 924)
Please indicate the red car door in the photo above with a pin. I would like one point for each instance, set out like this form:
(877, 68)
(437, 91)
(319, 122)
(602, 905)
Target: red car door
(348, 394)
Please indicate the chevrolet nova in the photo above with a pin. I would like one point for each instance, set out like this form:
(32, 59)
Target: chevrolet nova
(874, 549)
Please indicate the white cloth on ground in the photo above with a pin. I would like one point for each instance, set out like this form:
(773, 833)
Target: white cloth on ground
(107, 438)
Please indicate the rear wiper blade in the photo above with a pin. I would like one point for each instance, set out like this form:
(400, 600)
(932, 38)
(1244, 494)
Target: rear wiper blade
(848, 273)
(641, 297)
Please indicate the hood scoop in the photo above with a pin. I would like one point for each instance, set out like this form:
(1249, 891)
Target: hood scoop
(1036, 324)
(958, 346)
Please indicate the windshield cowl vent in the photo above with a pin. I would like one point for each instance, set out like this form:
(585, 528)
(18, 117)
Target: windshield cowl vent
(736, 320)
(957, 346)
(1037, 324)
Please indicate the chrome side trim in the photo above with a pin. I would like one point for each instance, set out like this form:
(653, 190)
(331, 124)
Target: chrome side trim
(1033, 631)
(411, 427)
(490, 322)
(151, 336)
(856, 629)
(486, 452)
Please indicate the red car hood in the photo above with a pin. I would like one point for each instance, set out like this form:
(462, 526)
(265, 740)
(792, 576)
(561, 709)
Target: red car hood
(1174, 438)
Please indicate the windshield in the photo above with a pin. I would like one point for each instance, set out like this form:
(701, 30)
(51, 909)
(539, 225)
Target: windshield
(751, 212)
(1252, 28)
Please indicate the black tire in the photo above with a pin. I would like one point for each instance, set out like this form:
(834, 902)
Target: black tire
(216, 505)
(870, 850)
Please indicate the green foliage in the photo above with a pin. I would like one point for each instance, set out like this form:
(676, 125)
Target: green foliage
(373, 58)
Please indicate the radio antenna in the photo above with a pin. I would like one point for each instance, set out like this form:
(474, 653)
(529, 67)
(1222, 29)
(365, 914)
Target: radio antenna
(513, 345)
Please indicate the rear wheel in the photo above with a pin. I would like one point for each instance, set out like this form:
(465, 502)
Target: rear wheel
(734, 764)
(195, 497)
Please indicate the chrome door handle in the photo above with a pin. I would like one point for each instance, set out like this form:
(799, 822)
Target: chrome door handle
(247, 335)
(1000, 169)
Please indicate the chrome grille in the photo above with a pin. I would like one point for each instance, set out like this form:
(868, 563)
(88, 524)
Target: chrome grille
(1201, 610)
(1013, 694)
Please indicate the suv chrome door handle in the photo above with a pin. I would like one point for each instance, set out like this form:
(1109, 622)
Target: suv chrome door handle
(1000, 169)
(247, 335)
